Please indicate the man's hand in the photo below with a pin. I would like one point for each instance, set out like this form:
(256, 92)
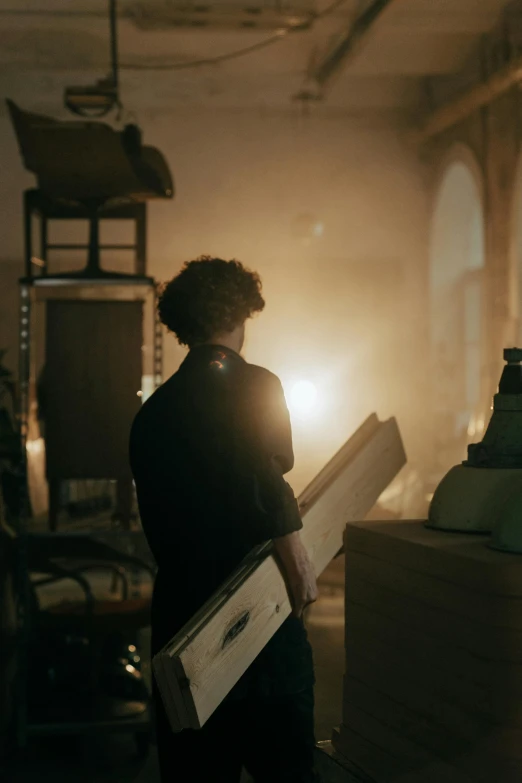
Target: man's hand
(298, 571)
(303, 590)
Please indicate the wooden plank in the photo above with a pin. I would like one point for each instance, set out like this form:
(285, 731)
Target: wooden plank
(495, 644)
(223, 639)
(504, 611)
(413, 725)
(172, 700)
(499, 682)
(334, 769)
(420, 765)
(374, 762)
(487, 768)
(463, 559)
(464, 695)
(349, 763)
(478, 765)
(418, 694)
(499, 626)
(498, 694)
(368, 756)
(336, 465)
(427, 647)
(369, 469)
(498, 747)
(495, 743)
(383, 767)
(495, 740)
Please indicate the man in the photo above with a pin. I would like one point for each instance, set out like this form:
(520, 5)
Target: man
(208, 453)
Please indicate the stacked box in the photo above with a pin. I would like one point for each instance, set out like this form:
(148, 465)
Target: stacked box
(433, 683)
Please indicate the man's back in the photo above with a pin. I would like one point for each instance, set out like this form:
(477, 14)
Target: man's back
(208, 451)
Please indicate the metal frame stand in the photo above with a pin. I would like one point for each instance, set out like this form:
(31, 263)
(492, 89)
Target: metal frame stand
(37, 204)
(158, 345)
(22, 571)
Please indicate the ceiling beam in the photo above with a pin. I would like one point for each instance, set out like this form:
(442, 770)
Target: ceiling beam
(321, 74)
(476, 98)
(437, 22)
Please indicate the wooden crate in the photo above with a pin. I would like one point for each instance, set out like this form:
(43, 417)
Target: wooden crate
(433, 681)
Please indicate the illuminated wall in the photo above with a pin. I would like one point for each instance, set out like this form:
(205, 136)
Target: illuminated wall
(515, 300)
(457, 261)
(332, 212)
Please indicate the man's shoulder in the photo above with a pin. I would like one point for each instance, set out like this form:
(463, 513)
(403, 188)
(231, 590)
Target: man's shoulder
(262, 387)
(155, 405)
(263, 376)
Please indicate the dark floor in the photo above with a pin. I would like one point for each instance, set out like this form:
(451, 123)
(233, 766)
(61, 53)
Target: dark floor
(113, 758)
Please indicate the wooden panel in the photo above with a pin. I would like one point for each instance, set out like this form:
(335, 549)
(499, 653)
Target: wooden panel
(90, 383)
(219, 644)
(423, 643)
(491, 739)
(495, 644)
(491, 610)
(336, 465)
(466, 697)
(366, 755)
(391, 756)
(413, 725)
(421, 695)
(416, 764)
(369, 468)
(459, 558)
(499, 683)
(331, 768)
(383, 767)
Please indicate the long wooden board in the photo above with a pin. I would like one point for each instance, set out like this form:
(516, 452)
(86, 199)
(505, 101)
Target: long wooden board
(203, 662)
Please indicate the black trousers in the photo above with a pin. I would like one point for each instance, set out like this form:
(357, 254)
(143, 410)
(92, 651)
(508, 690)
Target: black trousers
(272, 737)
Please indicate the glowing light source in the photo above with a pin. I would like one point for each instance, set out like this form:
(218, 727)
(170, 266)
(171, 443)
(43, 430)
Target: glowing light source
(303, 397)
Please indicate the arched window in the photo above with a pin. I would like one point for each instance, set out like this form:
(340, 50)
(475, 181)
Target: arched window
(457, 257)
(515, 283)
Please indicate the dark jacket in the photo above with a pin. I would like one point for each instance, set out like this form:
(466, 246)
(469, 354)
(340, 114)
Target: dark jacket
(208, 452)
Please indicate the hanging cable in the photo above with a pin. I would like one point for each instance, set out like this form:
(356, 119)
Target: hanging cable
(277, 36)
(113, 26)
(98, 100)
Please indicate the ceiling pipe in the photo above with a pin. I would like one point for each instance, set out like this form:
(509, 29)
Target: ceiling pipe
(462, 107)
(323, 71)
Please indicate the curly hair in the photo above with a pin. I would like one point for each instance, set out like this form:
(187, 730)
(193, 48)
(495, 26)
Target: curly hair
(209, 297)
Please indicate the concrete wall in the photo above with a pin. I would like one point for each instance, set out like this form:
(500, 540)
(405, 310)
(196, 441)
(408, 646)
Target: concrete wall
(345, 307)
